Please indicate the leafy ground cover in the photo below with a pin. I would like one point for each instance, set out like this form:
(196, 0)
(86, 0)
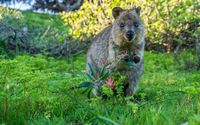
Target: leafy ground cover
(35, 90)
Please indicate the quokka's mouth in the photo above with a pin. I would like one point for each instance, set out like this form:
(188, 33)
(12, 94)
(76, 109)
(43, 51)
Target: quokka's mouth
(127, 58)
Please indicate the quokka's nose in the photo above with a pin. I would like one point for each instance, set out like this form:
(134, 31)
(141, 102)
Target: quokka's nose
(129, 35)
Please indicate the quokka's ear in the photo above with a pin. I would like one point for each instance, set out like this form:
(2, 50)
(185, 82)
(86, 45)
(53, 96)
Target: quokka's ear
(116, 11)
(137, 9)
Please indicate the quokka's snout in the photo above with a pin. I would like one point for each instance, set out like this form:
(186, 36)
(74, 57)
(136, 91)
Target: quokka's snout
(130, 34)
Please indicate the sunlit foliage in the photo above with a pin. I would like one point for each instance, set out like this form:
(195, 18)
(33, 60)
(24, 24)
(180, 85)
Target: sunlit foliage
(168, 22)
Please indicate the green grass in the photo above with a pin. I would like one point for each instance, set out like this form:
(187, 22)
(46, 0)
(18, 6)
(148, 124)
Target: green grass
(35, 90)
(32, 20)
(41, 30)
(43, 20)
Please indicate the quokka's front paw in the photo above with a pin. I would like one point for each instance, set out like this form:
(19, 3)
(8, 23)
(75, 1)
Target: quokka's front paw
(136, 59)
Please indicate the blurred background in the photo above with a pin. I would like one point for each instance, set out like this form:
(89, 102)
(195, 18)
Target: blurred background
(171, 26)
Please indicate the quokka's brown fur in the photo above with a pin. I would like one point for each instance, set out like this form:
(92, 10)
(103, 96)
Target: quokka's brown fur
(125, 37)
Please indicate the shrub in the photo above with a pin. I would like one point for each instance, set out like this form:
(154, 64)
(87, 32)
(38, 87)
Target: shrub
(167, 22)
(34, 33)
(92, 17)
(5, 12)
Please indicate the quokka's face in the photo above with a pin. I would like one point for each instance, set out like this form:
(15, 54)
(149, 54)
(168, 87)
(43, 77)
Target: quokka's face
(128, 24)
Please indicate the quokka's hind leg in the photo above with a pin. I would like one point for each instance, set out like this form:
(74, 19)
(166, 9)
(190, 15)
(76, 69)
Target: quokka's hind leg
(133, 78)
(130, 89)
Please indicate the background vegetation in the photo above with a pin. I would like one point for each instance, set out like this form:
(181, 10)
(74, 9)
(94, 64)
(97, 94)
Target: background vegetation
(168, 22)
(51, 5)
(42, 60)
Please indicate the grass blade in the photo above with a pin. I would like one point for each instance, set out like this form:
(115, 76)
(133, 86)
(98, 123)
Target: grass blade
(106, 75)
(102, 71)
(92, 70)
(107, 120)
(85, 84)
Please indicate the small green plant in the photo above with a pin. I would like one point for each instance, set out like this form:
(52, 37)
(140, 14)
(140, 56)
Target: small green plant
(192, 90)
(108, 81)
(195, 119)
(97, 78)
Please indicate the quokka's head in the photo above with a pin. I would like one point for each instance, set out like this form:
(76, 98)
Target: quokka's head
(127, 27)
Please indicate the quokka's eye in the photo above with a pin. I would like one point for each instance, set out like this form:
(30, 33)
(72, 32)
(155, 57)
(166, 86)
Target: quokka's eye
(136, 24)
(122, 25)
